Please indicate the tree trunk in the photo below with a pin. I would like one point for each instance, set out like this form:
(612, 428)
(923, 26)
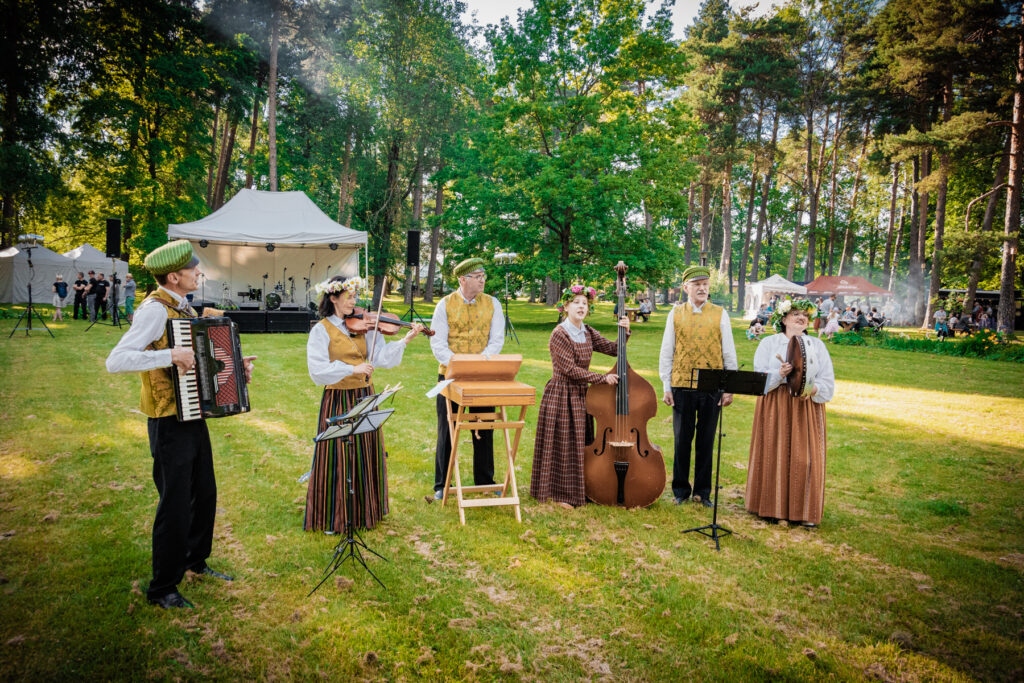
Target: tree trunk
(851, 220)
(986, 224)
(790, 271)
(762, 214)
(688, 237)
(253, 127)
(275, 36)
(935, 282)
(382, 236)
(649, 225)
(411, 273)
(916, 275)
(225, 164)
(1011, 225)
(832, 201)
(435, 235)
(343, 181)
(214, 165)
(725, 263)
(887, 259)
(741, 275)
(705, 215)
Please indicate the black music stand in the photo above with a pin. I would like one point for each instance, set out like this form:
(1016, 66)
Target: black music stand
(720, 382)
(364, 417)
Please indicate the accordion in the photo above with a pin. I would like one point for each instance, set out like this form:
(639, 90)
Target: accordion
(215, 386)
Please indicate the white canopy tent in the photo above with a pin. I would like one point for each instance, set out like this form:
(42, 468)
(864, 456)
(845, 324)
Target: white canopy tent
(269, 241)
(87, 257)
(15, 274)
(760, 292)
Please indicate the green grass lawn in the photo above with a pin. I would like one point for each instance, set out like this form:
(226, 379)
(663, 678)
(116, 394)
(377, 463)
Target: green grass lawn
(914, 574)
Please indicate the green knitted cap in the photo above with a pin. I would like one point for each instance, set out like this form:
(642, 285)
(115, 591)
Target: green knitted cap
(468, 266)
(170, 257)
(696, 273)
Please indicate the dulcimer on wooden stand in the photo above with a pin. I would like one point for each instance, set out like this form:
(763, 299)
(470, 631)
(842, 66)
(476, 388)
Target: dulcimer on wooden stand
(621, 466)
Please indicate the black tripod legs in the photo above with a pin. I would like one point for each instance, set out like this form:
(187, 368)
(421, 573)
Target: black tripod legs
(715, 530)
(350, 548)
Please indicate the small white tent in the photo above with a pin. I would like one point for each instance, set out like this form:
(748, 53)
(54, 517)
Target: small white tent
(15, 274)
(87, 257)
(760, 292)
(269, 241)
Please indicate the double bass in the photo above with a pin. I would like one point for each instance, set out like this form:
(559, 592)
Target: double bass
(621, 466)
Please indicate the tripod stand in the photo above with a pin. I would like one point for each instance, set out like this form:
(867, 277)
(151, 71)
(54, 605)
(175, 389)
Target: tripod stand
(720, 382)
(30, 309)
(361, 419)
(510, 329)
(115, 312)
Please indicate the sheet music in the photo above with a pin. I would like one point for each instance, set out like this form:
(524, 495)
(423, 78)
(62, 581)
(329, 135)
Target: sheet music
(368, 422)
(439, 388)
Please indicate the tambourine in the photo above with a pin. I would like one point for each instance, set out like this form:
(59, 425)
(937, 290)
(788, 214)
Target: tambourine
(805, 368)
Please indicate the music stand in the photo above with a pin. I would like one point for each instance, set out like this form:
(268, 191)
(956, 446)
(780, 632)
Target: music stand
(720, 382)
(362, 418)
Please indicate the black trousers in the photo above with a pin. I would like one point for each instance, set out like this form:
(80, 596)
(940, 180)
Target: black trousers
(483, 447)
(695, 414)
(183, 474)
(80, 304)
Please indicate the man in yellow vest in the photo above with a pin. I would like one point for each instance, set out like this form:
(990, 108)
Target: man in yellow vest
(697, 336)
(182, 457)
(465, 321)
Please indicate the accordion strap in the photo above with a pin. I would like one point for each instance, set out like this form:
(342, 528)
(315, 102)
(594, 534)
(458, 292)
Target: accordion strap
(190, 311)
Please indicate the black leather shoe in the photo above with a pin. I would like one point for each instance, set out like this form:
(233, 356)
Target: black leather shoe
(706, 503)
(171, 601)
(215, 574)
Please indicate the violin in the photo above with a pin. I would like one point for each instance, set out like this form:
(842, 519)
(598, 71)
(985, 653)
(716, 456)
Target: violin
(360, 321)
(620, 465)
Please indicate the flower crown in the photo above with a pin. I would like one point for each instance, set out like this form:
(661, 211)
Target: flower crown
(786, 306)
(327, 287)
(570, 293)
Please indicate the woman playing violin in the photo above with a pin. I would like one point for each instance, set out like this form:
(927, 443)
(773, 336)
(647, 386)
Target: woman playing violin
(561, 424)
(338, 359)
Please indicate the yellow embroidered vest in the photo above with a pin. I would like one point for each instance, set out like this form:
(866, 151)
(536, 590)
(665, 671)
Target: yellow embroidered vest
(469, 325)
(157, 385)
(698, 342)
(351, 350)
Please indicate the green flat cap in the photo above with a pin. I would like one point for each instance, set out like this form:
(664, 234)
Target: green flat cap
(170, 257)
(696, 273)
(468, 266)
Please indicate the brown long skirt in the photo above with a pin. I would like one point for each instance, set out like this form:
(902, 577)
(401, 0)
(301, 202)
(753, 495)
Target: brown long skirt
(786, 471)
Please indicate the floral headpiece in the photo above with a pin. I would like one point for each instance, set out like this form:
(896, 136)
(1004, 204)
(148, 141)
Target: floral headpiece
(570, 293)
(327, 287)
(786, 306)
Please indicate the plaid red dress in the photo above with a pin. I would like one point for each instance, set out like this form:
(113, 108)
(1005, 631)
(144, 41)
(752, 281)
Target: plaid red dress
(561, 423)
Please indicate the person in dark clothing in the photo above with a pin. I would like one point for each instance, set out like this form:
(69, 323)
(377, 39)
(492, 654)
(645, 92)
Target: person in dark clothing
(80, 286)
(90, 296)
(101, 287)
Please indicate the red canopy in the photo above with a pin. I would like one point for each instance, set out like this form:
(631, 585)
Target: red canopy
(824, 285)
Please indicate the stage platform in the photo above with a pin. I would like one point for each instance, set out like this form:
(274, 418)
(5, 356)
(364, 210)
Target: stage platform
(254, 322)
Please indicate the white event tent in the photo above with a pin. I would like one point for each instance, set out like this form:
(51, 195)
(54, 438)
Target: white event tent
(760, 292)
(87, 257)
(15, 274)
(269, 241)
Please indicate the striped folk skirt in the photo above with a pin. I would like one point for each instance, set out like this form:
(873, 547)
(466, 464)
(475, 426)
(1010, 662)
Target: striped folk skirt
(360, 460)
(786, 471)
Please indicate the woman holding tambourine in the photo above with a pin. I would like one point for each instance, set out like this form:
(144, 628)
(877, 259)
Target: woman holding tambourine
(786, 472)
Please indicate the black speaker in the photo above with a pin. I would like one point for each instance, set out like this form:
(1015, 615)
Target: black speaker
(412, 249)
(113, 238)
(249, 321)
(287, 321)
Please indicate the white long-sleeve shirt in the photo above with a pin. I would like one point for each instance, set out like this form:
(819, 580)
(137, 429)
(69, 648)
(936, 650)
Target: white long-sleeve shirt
(439, 324)
(766, 359)
(323, 371)
(148, 325)
(668, 344)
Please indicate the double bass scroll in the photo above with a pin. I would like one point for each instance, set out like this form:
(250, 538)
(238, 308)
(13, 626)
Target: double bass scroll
(620, 465)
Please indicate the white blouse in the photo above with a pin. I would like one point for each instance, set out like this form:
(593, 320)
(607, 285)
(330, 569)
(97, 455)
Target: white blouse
(766, 360)
(577, 334)
(323, 371)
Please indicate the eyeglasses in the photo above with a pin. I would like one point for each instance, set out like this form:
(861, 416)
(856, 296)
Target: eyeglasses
(482, 277)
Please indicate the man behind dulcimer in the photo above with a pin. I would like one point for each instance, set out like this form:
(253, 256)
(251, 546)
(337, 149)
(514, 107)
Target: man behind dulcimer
(339, 360)
(182, 456)
(465, 321)
(697, 336)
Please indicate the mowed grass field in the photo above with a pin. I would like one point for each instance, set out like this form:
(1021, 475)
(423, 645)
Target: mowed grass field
(914, 574)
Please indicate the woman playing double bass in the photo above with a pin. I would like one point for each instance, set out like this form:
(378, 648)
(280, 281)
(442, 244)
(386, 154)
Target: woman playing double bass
(339, 360)
(561, 434)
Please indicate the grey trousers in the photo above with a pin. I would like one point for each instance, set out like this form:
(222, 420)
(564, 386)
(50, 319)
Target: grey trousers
(90, 303)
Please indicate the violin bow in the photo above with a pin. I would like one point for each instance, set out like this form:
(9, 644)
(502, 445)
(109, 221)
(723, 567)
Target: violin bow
(376, 323)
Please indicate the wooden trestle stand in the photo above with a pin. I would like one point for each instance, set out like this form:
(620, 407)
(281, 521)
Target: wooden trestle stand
(476, 381)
